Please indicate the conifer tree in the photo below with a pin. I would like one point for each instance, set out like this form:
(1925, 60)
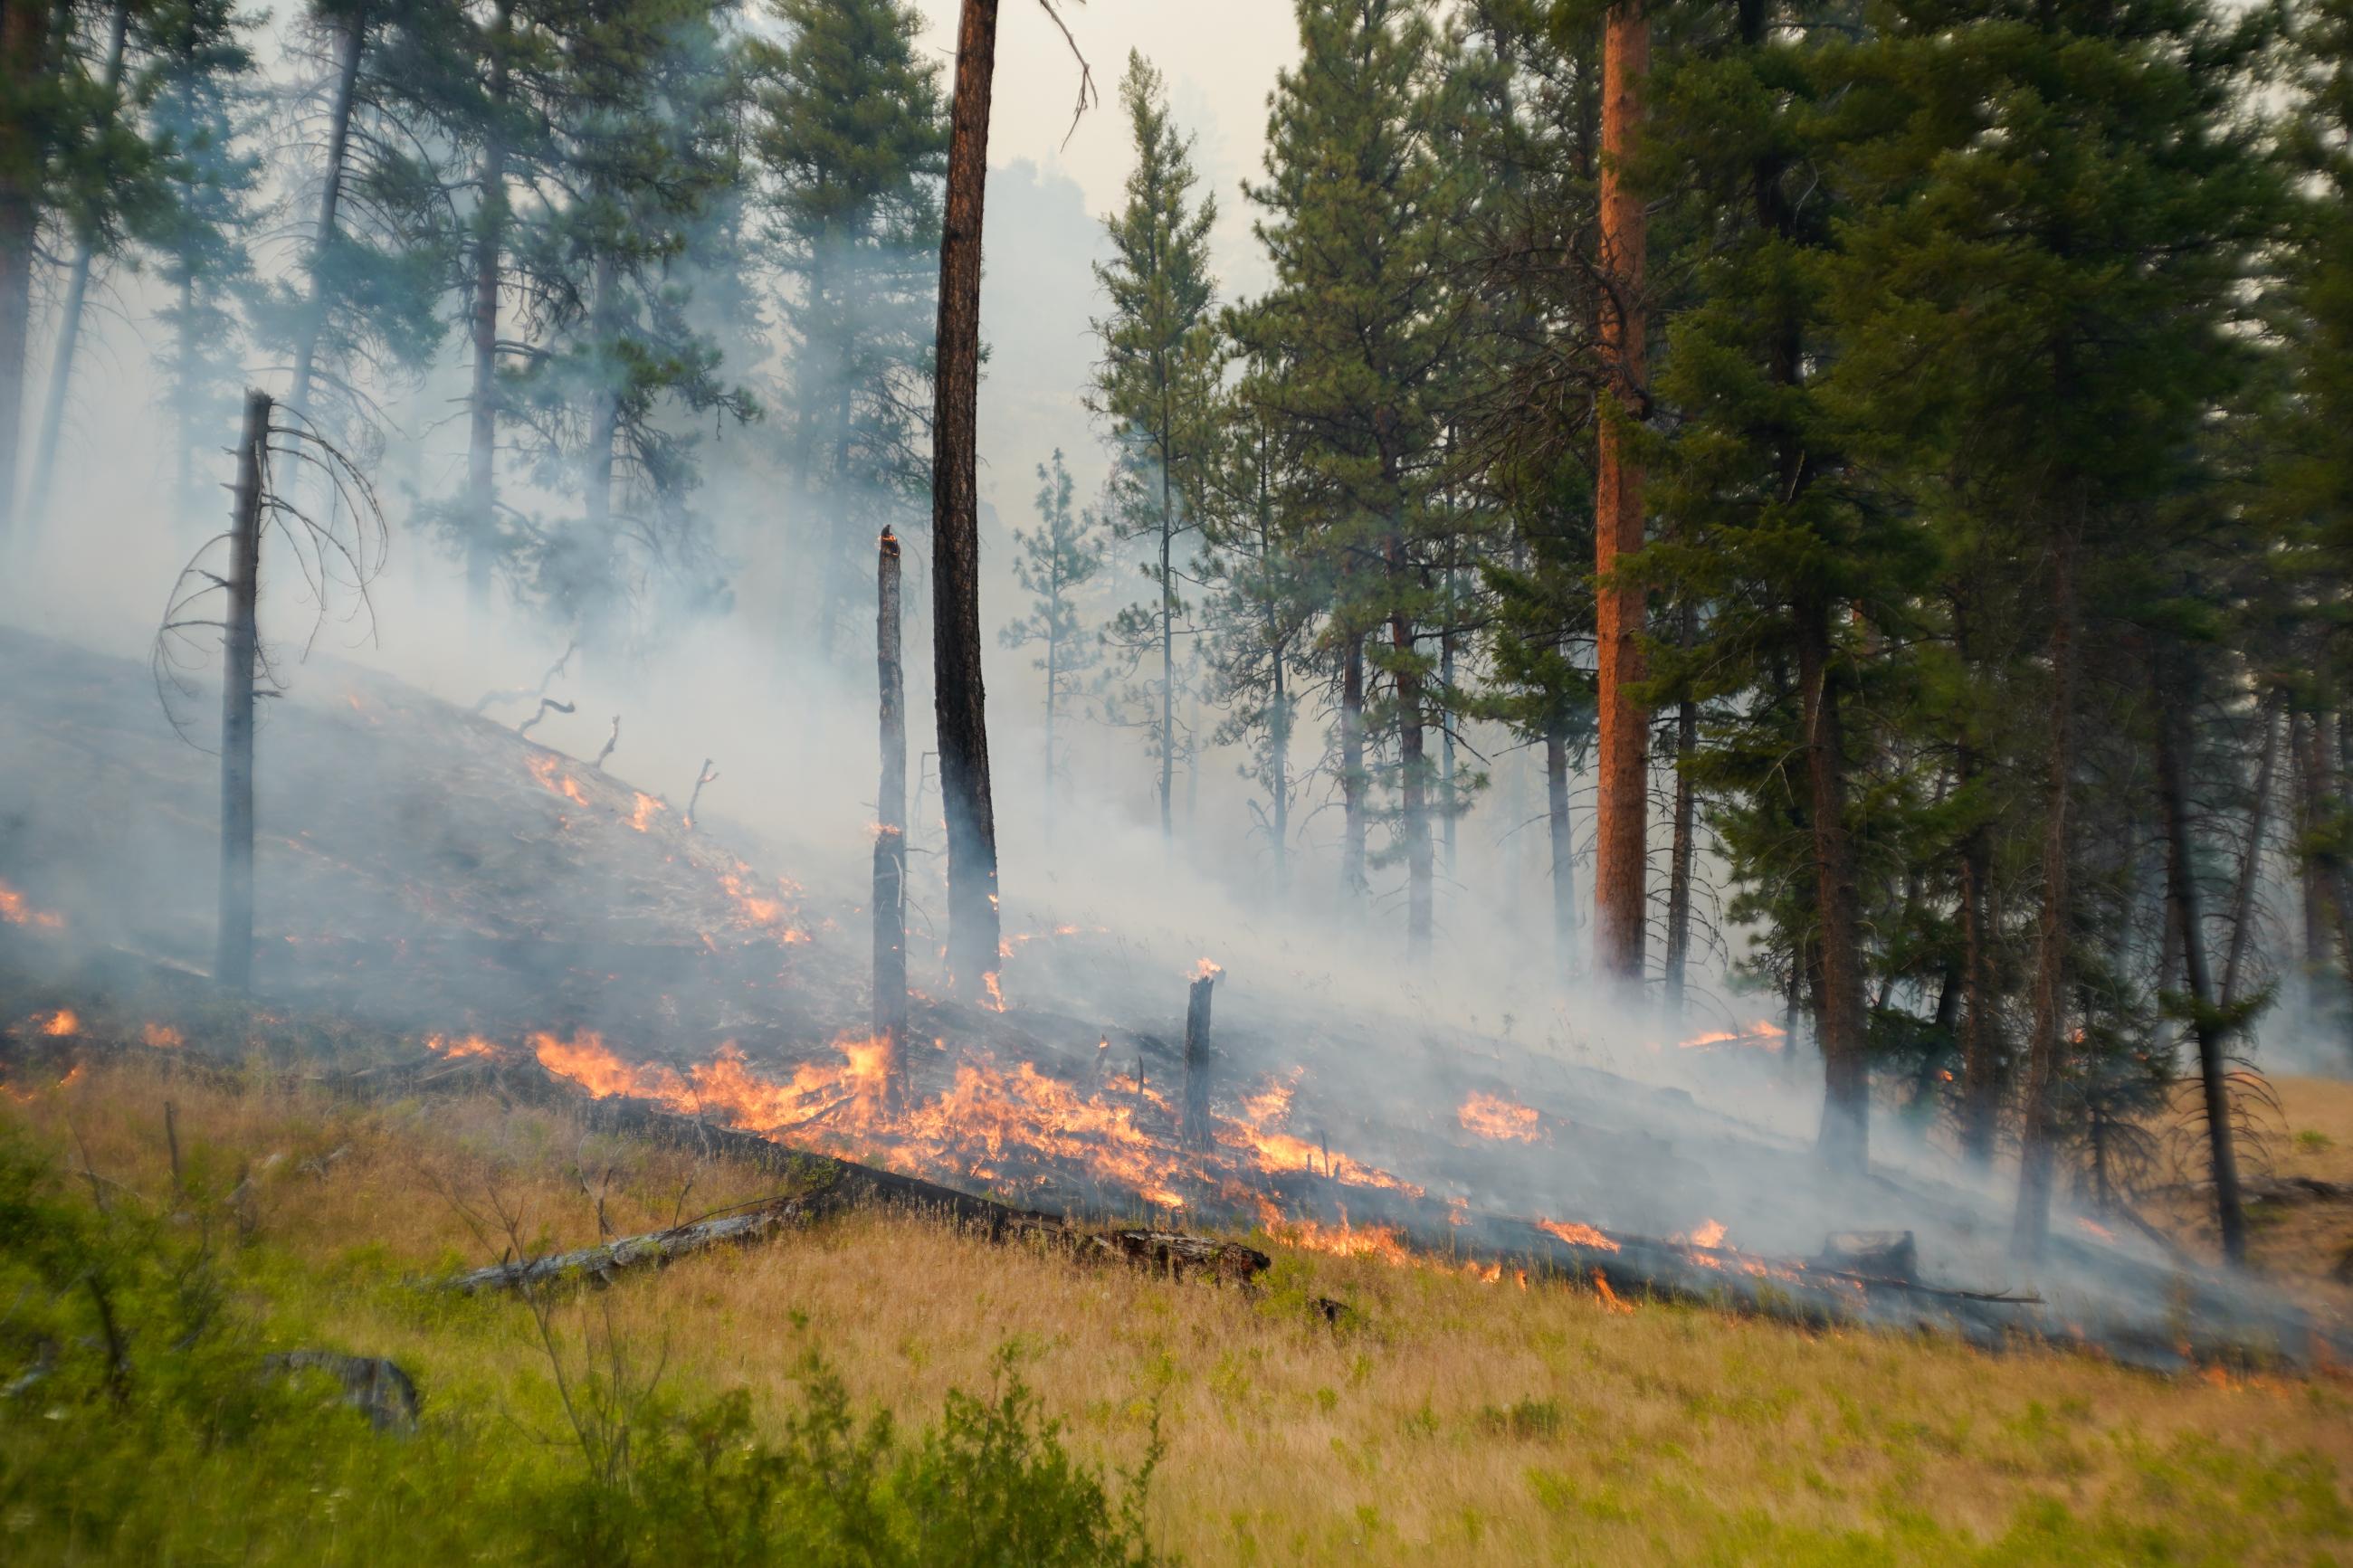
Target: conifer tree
(1057, 560)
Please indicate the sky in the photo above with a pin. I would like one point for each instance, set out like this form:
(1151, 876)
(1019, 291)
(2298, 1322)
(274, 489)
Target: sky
(1220, 55)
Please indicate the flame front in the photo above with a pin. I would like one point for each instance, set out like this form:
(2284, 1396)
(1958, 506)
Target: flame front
(62, 1022)
(553, 778)
(16, 912)
(1761, 1033)
(1576, 1234)
(1492, 1116)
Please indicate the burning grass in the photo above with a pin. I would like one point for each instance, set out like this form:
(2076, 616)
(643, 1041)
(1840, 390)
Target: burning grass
(1449, 1418)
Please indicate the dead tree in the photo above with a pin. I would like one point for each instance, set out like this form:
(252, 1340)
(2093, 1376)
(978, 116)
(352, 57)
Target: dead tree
(1621, 910)
(611, 742)
(546, 705)
(705, 774)
(1197, 1057)
(336, 559)
(891, 822)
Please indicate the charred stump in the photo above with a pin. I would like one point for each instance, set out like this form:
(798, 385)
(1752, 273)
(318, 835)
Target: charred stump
(1197, 1061)
(891, 822)
(241, 643)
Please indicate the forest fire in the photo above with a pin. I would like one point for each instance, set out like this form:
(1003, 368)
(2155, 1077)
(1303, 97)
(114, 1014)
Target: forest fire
(63, 1022)
(641, 818)
(1760, 1035)
(1492, 1116)
(16, 912)
(549, 772)
(1576, 1234)
(161, 1038)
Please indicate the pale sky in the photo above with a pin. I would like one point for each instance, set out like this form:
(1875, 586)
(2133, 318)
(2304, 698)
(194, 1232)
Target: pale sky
(1220, 57)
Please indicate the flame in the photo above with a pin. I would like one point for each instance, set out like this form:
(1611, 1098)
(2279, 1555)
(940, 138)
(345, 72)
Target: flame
(1205, 969)
(1342, 1240)
(161, 1036)
(1610, 1299)
(755, 909)
(16, 912)
(643, 817)
(1761, 1032)
(1576, 1234)
(1709, 1235)
(1492, 1116)
(64, 1021)
(464, 1046)
(995, 1000)
(2096, 1228)
(549, 772)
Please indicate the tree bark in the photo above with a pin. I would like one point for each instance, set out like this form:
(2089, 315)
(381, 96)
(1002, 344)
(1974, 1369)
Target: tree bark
(2046, 1048)
(1197, 1061)
(1981, 1063)
(1352, 887)
(1564, 857)
(350, 43)
(70, 314)
(24, 51)
(490, 239)
(2242, 895)
(1619, 895)
(890, 824)
(1168, 655)
(958, 694)
(2181, 884)
(1846, 1082)
(233, 956)
(1686, 847)
(1413, 785)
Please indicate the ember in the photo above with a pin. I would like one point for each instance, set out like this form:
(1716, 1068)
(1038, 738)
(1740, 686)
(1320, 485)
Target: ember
(1492, 1116)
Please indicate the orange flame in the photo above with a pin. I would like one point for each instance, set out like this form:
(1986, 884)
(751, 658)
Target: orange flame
(643, 817)
(1761, 1032)
(995, 1000)
(1610, 1299)
(1576, 1234)
(1709, 1235)
(464, 1046)
(1492, 1116)
(161, 1036)
(1205, 969)
(551, 777)
(64, 1021)
(16, 912)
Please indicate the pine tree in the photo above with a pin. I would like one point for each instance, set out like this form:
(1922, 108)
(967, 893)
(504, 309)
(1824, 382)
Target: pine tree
(1158, 384)
(1057, 560)
(851, 134)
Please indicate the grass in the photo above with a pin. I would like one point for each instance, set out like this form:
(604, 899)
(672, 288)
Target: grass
(1447, 1419)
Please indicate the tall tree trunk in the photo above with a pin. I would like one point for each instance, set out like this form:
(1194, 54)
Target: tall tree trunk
(2047, 1047)
(351, 41)
(890, 824)
(1278, 740)
(1168, 655)
(24, 54)
(1846, 1080)
(1620, 897)
(240, 641)
(2181, 883)
(2242, 895)
(1414, 795)
(482, 409)
(70, 314)
(1352, 887)
(1053, 694)
(1448, 806)
(960, 699)
(1564, 856)
(1686, 847)
(1981, 1063)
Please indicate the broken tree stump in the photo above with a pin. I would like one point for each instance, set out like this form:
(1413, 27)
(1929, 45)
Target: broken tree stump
(1197, 1056)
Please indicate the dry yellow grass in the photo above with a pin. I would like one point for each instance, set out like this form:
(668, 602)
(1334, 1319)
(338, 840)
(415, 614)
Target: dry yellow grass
(1456, 1420)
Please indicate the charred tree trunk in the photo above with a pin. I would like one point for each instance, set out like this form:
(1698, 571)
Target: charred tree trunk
(1197, 1060)
(1352, 774)
(350, 44)
(2242, 895)
(70, 314)
(24, 53)
(1564, 856)
(2046, 1047)
(482, 410)
(890, 824)
(233, 956)
(957, 692)
(2181, 884)
(1686, 849)
(1846, 1082)
(1620, 897)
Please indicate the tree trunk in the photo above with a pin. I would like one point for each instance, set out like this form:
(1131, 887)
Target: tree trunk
(24, 51)
(1620, 897)
(70, 314)
(1278, 740)
(890, 825)
(233, 956)
(604, 404)
(1981, 1064)
(1686, 847)
(1167, 657)
(1414, 791)
(2182, 886)
(957, 692)
(490, 239)
(2242, 895)
(350, 43)
(2046, 1047)
(1846, 1080)
(1197, 1061)
(1352, 887)
(1449, 806)
(1564, 857)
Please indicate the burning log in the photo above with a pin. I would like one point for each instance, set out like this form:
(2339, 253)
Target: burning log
(1196, 1056)
(889, 898)
(546, 705)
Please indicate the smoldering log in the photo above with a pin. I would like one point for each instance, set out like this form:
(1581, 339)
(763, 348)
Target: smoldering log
(1197, 1060)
